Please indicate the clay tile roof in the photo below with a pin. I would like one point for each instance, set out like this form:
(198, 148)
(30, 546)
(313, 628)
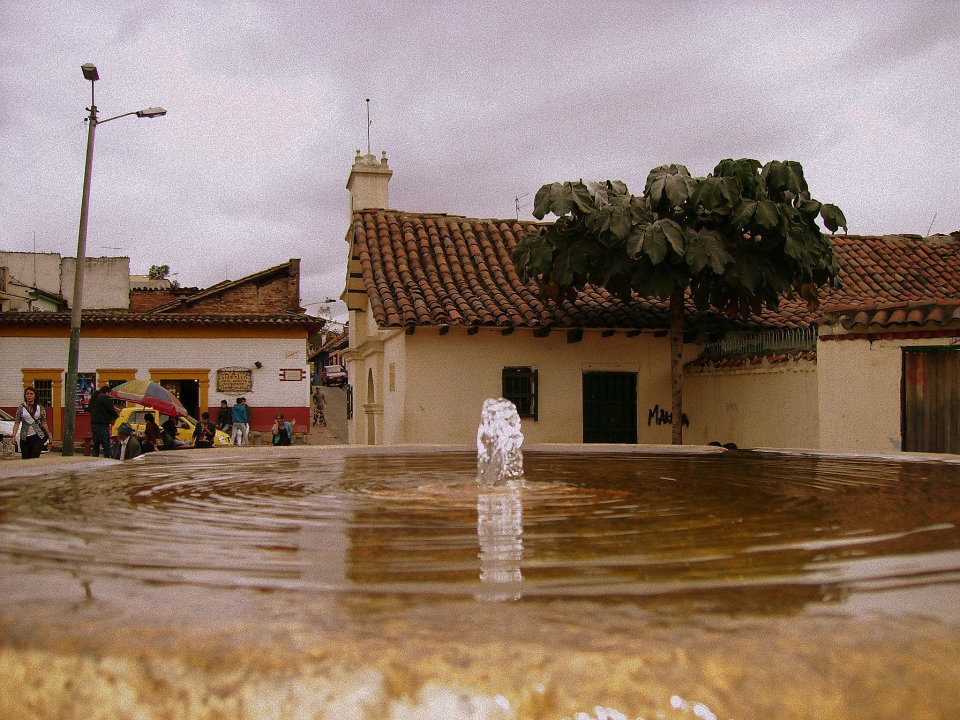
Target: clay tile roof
(436, 269)
(118, 317)
(895, 280)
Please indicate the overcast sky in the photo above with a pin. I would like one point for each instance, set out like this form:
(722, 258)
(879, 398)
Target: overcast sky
(474, 104)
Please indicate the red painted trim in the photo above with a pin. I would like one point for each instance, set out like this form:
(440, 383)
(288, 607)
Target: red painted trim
(915, 335)
(261, 418)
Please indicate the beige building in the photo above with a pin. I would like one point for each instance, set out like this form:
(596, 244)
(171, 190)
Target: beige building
(439, 321)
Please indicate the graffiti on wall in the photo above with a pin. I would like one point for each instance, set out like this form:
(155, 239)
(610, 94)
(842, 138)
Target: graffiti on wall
(662, 416)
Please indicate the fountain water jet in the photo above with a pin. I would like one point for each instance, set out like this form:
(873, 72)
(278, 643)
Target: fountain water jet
(499, 439)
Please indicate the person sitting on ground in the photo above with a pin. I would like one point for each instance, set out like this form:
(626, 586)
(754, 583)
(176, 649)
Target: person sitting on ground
(204, 432)
(127, 446)
(281, 431)
(170, 439)
(152, 434)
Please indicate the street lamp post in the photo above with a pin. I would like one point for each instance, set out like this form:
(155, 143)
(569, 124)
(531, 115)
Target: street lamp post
(73, 353)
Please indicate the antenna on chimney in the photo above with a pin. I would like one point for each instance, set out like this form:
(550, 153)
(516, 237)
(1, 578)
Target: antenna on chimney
(931, 224)
(368, 126)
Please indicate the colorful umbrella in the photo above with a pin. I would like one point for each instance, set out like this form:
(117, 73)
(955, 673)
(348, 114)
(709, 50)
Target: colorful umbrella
(150, 394)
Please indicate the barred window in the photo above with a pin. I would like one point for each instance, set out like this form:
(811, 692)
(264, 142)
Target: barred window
(520, 388)
(44, 390)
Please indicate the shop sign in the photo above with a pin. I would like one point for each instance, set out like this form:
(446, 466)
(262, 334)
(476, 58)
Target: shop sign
(234, 381)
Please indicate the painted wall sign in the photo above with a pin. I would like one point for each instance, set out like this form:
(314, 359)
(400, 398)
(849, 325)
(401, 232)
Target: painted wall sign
(234, 381)
(292, 374)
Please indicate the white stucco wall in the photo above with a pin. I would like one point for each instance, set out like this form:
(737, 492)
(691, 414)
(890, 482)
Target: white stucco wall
(143, 354)
(860, 393)
(759, 405)
(106, 281)
(442, 380)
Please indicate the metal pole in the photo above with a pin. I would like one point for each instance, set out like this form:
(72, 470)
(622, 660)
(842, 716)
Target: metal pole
(73, 354)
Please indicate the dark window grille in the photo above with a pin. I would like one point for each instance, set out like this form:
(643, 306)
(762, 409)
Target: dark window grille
(349, 402)
(44, 390)
(113, 384)
(520, 388)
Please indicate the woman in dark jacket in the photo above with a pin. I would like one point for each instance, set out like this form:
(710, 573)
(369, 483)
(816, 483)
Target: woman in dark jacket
(152, 434)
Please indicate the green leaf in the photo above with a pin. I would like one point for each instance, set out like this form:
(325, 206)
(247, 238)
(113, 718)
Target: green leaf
(635, 240)
(673, 234)
(766, 215)
(833, 217)
(743, 215)
(706, 249)
(809, 208)
(680, 188)
(748, 271)
(654, 244)
(561, 198)
(745, 171)
(718, 195)
(655, 190)
(617, 188)
(541, 202)
(784, 177)
(621, 222)
(581, 196)
(671, 183)
(794, 248)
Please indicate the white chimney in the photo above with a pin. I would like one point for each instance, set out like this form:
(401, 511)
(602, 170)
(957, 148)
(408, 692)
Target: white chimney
(368, 182)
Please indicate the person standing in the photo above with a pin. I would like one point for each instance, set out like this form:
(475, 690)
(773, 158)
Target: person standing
(102, 415)
(224, 417)
(319, 406)
(31, 421)
(240, 417)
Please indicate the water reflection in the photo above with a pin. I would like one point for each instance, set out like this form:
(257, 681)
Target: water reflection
(631, 577)
(500, 532)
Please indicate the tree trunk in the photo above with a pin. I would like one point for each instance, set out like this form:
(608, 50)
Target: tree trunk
(676, 365)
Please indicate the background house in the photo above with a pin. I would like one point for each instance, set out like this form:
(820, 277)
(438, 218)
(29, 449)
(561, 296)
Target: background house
(243, 337)
(439, 321)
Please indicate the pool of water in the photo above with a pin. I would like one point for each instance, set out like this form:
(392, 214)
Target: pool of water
(332, 582)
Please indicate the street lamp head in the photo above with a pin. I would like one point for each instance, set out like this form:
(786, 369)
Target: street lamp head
(90, 71)
(151, 112)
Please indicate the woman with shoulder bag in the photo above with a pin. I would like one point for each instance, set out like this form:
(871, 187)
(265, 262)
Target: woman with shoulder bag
(31, 421)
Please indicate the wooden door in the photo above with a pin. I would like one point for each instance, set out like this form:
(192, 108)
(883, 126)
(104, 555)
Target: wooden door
(609, 407)
(930, 406)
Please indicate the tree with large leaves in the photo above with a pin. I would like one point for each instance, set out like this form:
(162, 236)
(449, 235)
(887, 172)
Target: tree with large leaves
(739, 239)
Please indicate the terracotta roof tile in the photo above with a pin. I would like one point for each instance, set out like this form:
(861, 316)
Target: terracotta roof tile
(435, 269)
(115, 317)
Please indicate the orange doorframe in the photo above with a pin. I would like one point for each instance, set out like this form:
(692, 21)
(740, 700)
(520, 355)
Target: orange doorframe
(106, 375)
(201, 375)
(55, 376)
